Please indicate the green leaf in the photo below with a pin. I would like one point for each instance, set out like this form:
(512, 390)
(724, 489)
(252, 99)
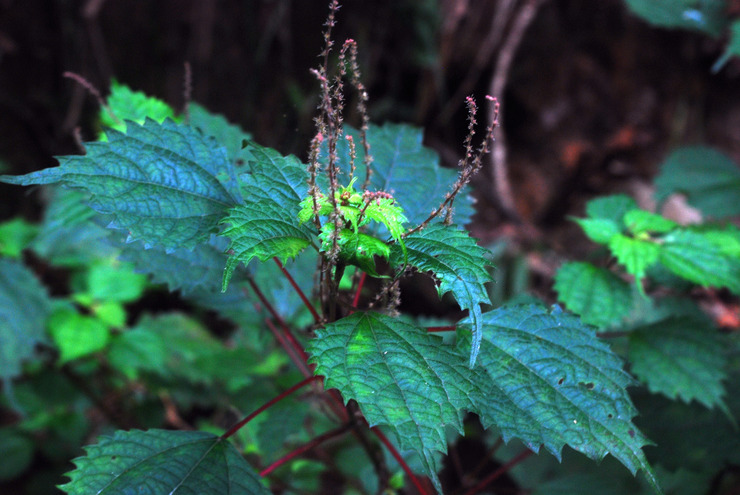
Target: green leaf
(550, 381)
(707, 16)
(635, 254)
(154, 462)
(599, 296)
(732, 49)
(599, 229)
(265, 230)
(457, 263)
(270, 175)
(405, 168)
(680, 357)
(15, 236)
(77, 335)
(226, 134)
(163, 183)
(356, 249)
(400, 376)
(17, 453)
(115, 282)
(641, 221)
(699, 259)
(611, 207)
(132, 105)
(710, 179)
(24, 307)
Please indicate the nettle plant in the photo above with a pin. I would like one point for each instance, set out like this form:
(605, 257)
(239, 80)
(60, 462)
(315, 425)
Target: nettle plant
(312, 255)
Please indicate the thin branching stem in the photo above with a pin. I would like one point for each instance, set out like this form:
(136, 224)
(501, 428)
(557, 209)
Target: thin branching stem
(267, 405)
(298, 290)
(401, 462)
(336, 432)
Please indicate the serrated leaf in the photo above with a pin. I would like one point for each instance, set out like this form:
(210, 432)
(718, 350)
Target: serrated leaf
(610, 207)
(710, 179)
(283, 179)
(707, 16)
(599, 296)
(697, 258)
(163, 183)
(550, 381)
(263, 230)
(217, 126)
(400, 376)
(635, 254)
(457, 263)
(641, 221)
(154, 462)
(404, 167)
(24, 307)
(136, 106)
(598, 229)
(680, 357)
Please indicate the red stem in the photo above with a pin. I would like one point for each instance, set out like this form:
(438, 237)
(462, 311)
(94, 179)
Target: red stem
(267, 405)
(356, 300)
(450, 328)
(298, 290)
(500, 471)
(304, 448)
(406, 469)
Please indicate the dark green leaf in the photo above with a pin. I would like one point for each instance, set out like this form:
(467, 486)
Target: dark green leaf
(599, 296)
(457, 263)
(226, 134)
(270, 175)
(550, 381)
(24, 307)
(707, 16)
(680, 357)
(163, 183)
(710, 179)
(156, 462)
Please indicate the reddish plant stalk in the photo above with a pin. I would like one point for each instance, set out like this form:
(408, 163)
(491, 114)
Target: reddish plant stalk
(449, 328)
(499, 472)
(406, 469)
(356, 299)
(305, 448)
(298, 290)
(267, 405)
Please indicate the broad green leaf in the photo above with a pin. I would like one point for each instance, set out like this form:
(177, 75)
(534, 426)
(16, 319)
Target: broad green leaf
(17, 453)
(355, 249)
(265, 230)
(270, 175)
(599, 230)
(610, 207)
(548, 380)
(457, 263)
(187, 270)
(77, 335)
(226, 134)
(680, 357)
(400, 376)
(599, 296)
(132, 105)
(24, 307)
(698, 258)
(405, 168)
(138, 350)
(15, 236)
(641, 221)
(163, 183)
(115, 282)
(707, 16)
(635, 254)
(155, 462)
(710, 179)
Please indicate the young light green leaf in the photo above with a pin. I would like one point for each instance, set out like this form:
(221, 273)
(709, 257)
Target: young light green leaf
(599, 230)
(710, 179)
(265, 230)
(24, 308)
(641, 221)
(701, 259)
(637, 255)
(126, 104)
(550, 381)
(457, 263)
(160, 461)
(680, 357)
(611, 207)
(163, 183)
(599, 296)
(77, 335)
(400, 376)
